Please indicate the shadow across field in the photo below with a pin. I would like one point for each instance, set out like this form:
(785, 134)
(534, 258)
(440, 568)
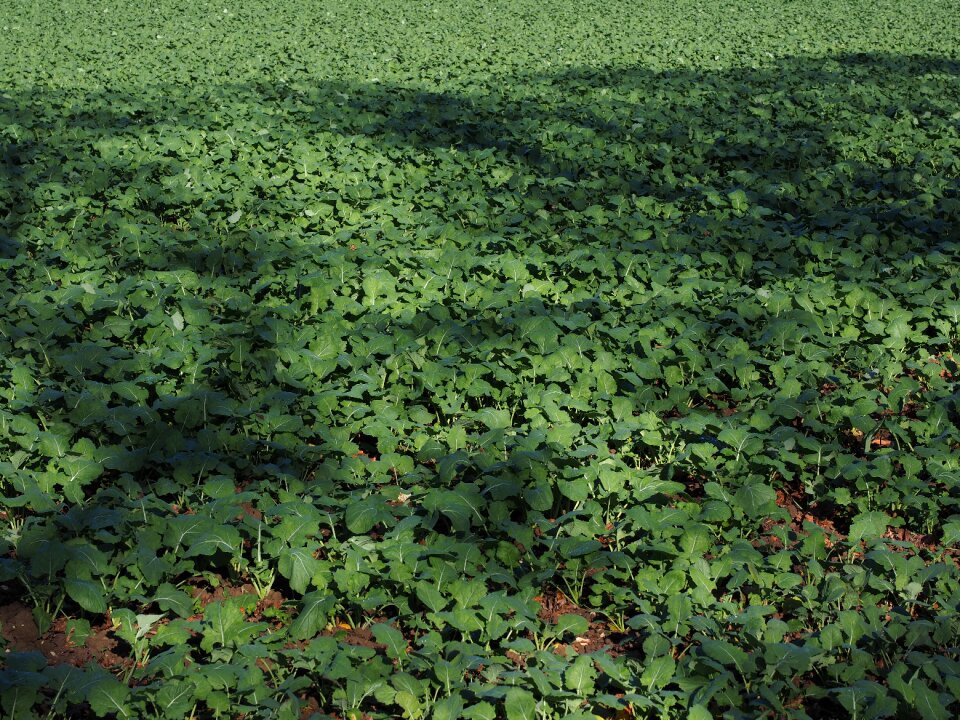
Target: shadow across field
(237, 205)
(143, 186)
(168, 252)
(861, 129)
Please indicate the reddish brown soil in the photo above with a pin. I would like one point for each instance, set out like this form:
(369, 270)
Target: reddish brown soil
(921, 541)
(598, 636)
(273, 600)
(361, 637)
(251, 510)
(20, 633)
(814, 515)
(313, 706)
(358, 636)
(18, 627)
(818, 516)
(224, 591)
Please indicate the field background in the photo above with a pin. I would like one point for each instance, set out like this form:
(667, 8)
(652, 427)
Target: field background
(479, 359)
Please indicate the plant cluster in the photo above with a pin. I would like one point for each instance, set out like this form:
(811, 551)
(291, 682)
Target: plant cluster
(479, 360)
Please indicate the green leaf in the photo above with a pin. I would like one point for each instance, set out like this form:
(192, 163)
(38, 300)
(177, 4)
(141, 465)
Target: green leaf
(409, 703)
(928, 702)
(460, 506)
(738, 200)
(314, 615)
(520, 704)
(494, 419)
(299, 566)
(169, 598)
(574, 548)
(725, 653)
(378, 283)
(54, 445)
(175, 699)
(78, 630)
(431, 597)
(212, 539)
(580, 676)
(223, 623)
(576, 490)
(570, 623)
(88, 594)
(868, 526)
(539, 496)
(361, 516)
(480, 711)
(108, 696)
(392, 638)
(951, 533)
(756, 499)
(406, 682)
(699, 712)
(658, 672)
(449, 708)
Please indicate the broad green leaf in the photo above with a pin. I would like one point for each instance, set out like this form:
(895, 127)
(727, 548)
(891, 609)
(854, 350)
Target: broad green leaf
(108, 696)
(480, 711)
(928, 702)
(405, 682)
(314, 615)
(520, 704)
(218, 538)
(175, 699)
(539, 496)
(658, 672)
(738, 200)
(448, 708)
(868, 526)
(580, 675)
(756, 499)
(363, 515)
(576, 490)
(431, 597)
(54, 445)
(299, 566)
(572, 624)
(463, 508)
(168, 597)
(88, 594)
(223, 623)
(392, 638)
(409, 703)
(725, 653)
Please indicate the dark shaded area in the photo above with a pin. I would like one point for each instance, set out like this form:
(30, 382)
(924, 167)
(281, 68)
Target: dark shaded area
(838, 123)
(823, 154)
(825, 149)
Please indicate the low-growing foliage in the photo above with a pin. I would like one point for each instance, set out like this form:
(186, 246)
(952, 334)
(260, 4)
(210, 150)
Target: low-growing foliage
(486, 360)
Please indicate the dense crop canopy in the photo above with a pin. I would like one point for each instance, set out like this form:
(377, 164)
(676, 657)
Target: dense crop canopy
(486, 360)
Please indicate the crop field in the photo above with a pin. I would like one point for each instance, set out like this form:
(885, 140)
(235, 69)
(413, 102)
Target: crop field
(497, 360)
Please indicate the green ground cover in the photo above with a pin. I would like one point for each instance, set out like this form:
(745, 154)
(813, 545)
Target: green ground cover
(480, 359)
